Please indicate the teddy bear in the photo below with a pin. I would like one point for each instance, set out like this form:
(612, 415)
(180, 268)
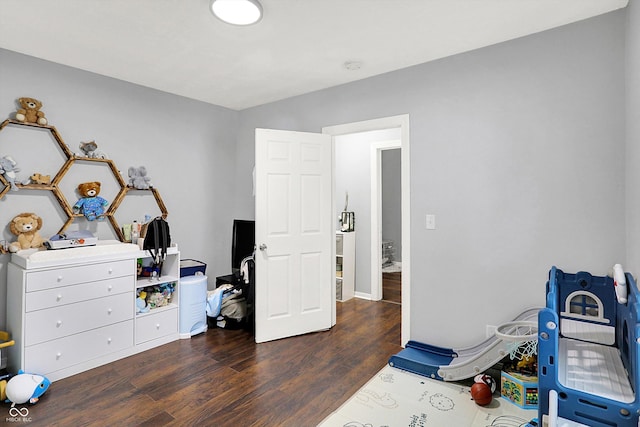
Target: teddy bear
(26, 226)
(90, 204)
(30, 111)
(9, 167)
(138, 178)
(90, 149)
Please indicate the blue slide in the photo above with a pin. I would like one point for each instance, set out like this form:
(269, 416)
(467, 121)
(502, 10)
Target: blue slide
(423, 359)
(447, 364)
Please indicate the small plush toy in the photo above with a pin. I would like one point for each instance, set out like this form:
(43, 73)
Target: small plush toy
(156, 299)
(26, 226)
(9, 167)
(38, 178)
(24, 388)
(90, 149)
(90, 204)
(30, 111)
(141, 303)
(138, 178)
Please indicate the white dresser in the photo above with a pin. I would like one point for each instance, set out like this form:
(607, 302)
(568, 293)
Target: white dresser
(74, 309)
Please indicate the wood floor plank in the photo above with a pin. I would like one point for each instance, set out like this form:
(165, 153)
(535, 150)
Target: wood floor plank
(391, 287)
(222, 378)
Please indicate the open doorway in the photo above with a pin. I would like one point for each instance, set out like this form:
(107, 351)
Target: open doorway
(386, 216)
(369, 251)
(391, 225)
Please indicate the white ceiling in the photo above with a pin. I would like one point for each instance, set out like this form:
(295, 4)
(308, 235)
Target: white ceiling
(300, 46)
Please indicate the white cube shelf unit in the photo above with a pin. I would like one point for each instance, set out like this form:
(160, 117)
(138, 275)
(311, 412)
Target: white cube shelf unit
(345, 265)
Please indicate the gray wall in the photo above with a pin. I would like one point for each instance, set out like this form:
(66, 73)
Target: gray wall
(517, 148)
(186, 146)
(392, 201)
(632, 138)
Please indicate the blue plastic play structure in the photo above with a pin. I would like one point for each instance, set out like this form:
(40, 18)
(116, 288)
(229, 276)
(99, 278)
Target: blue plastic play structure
(588, 349)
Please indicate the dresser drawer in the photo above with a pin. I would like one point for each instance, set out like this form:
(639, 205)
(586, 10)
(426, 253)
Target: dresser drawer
(53, 323)
(47, 279)
(65, 352)
(155, 325)
(77, 293)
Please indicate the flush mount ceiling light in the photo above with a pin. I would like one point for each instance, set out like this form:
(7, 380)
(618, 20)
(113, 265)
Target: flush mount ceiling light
(237, 12)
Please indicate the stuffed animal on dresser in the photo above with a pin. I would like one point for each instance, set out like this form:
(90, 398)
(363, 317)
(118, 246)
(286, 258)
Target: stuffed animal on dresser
(141, 302)
(26, 226)
(30, 111)
(90, 204)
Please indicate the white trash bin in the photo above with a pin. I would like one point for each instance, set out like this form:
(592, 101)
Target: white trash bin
(193, 304)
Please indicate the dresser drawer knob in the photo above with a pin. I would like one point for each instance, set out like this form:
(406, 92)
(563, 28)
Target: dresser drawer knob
(58, 323)
(109, 341)
(109, 311)
(110, 270)
(59, 297)
(58, 355)
(110, 287)
(59, 278)
(158, 326)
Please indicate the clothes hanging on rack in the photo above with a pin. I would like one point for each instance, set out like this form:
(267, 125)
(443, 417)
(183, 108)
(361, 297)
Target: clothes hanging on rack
(246, 265)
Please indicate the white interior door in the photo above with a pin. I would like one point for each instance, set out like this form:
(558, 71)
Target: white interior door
(294, 278)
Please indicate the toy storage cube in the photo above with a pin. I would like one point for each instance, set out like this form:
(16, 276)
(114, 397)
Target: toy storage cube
(519, 389)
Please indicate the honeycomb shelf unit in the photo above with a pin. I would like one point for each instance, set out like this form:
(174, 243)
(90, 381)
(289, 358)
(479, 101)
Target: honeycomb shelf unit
(60, 143)
(71, 159)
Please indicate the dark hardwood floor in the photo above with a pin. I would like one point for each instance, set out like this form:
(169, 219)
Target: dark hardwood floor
(222, 378)
(391, 287)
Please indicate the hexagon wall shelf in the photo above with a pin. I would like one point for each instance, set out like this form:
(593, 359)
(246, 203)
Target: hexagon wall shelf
(118, 201)
(71, 160)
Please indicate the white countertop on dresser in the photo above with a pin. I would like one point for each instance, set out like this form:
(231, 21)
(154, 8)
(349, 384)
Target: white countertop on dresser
(105, 250)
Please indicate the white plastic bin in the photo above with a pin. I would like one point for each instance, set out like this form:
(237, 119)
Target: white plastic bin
(193, 304)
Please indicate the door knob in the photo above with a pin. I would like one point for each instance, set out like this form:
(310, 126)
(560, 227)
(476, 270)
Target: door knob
(263, 247)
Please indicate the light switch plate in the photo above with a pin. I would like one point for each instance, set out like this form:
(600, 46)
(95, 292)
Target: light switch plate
(431, 222)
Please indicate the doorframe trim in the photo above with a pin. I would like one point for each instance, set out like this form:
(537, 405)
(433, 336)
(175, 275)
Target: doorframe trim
(376, 149)
(402, 122)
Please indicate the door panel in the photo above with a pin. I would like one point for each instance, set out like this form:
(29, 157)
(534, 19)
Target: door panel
(294, 228)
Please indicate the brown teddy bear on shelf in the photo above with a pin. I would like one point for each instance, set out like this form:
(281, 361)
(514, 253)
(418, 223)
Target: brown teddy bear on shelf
(26, 226)
(90, 204)
(30, 111)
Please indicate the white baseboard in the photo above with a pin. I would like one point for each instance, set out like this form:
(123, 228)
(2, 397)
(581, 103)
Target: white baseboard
(363, 295)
